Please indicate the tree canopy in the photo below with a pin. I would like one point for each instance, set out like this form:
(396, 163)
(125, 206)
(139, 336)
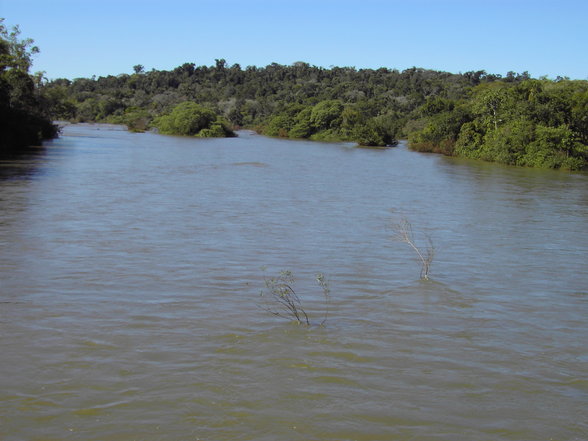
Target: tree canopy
(23, 117)
(513, 119)
(534, 123)
(191, 119)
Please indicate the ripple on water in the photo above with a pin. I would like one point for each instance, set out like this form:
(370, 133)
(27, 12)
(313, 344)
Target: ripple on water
(131, 272)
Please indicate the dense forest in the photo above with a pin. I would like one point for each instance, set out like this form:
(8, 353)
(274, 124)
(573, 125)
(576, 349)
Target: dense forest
(513, 119)
(24, 117)
(300, 100)
(535, 123)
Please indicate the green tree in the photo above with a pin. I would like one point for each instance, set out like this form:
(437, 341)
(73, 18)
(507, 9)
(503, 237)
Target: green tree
(191, 119)
(441, 130)
(326, 114)
(279, 125)
(555, 147)
(489, 105)
(579, 114)
(23, 119)
(302, 124)
(476, 114)
(367, 134)
(535, 123)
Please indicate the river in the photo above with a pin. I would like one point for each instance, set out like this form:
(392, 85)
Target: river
(131, 267)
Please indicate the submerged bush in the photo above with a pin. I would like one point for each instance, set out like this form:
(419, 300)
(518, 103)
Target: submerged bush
(282, 300)
(402, 230)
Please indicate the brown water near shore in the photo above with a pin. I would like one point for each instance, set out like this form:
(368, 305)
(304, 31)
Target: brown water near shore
(130, 272)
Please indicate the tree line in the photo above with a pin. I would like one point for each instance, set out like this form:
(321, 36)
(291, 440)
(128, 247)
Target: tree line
(369, 106)
(513, 119)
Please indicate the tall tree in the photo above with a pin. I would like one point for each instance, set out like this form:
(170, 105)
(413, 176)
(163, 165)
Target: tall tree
(23, 120)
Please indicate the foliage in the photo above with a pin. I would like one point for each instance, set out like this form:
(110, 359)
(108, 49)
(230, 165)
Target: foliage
(515, 120)
(23, 120)
(331, 120)
(326, 115)
(135, 118)
(282, 300)
(533, 123)
(191, 119)
(297, 101)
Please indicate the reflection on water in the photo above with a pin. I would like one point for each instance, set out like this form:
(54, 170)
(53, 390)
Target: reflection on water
(130, 274)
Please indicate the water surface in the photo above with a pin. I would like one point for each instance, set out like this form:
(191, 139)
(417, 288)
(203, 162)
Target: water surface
(131, 267)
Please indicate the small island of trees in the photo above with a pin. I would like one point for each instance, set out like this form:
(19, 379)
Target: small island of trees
(514, 119)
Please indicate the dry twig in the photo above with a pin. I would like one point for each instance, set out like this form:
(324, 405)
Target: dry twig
(403, 233)
(281, 299)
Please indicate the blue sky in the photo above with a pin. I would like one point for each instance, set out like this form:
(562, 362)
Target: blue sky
(81, 38)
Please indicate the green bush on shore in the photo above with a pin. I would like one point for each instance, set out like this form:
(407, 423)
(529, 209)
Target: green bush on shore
(191, 119)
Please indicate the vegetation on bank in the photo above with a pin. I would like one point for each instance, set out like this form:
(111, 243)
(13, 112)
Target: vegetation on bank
(331, 120)
(191, 119)
(513, 119)
(24, 117)
(533, 123)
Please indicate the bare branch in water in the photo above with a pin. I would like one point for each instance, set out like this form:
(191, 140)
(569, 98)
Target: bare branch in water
(403, 233)
(282, 300)
(322, 281)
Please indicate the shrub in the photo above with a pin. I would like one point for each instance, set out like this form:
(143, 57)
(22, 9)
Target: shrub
(191, 119)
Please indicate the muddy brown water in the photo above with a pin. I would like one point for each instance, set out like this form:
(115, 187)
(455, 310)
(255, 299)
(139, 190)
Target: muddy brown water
(131, 267)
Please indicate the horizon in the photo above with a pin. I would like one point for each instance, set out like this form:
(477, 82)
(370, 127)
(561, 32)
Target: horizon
(85, 39)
